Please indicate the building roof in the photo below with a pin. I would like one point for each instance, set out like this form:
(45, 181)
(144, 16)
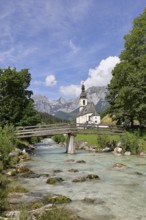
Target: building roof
(89, 108)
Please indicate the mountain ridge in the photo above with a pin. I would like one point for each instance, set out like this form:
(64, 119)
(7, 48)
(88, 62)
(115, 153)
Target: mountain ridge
(66, 108)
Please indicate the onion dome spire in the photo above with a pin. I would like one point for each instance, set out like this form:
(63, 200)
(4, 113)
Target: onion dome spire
(83, 93)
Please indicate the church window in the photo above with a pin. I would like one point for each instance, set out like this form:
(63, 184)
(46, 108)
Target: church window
(83, 102)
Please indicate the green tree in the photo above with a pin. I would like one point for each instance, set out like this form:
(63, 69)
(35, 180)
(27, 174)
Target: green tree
(16, 104)
(127, 89)
(50, 119)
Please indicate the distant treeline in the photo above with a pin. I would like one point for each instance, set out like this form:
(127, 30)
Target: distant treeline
(50, 119)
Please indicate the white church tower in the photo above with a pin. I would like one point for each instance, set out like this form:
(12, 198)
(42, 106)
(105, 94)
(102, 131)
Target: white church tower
(83, 99)
(87, 111)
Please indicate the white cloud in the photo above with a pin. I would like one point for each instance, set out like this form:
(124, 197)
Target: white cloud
(50, 81)
(73, 47)
(100, 76)
(71, 90)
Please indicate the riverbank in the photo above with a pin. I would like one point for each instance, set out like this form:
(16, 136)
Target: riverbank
(129, 143)
(24, 204)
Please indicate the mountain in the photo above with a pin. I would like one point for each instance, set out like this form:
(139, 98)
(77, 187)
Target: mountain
(68, 108)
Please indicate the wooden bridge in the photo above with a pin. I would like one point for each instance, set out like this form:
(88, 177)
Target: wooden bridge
(69, 129)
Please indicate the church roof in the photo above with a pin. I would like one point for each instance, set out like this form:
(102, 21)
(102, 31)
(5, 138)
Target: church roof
(89, 108)
(83, 93)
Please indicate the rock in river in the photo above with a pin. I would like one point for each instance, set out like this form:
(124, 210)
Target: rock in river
(119, 165)
(57, 199)
(73, 170)
(85, 178)
(81, 161)
(54, 180)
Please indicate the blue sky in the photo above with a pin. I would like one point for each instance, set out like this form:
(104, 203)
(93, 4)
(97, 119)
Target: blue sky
(65, 42)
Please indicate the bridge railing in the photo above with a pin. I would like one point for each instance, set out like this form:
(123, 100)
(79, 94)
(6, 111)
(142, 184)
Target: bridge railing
(23, 130)
(52, 129)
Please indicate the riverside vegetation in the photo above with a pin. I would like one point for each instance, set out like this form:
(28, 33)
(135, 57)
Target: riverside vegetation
(10, 167)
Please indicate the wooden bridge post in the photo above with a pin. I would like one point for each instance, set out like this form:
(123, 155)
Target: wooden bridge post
(70, 148)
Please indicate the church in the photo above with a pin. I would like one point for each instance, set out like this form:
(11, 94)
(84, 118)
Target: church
(87, 110)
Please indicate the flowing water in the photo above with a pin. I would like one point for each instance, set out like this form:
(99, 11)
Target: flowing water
(120, 194)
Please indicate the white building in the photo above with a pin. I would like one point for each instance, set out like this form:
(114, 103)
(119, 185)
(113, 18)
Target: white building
(87, 110)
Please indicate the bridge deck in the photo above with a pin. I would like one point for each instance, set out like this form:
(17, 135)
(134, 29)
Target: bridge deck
(50, 130)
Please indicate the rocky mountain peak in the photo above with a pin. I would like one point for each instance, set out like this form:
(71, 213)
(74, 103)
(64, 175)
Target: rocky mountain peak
(94, 94)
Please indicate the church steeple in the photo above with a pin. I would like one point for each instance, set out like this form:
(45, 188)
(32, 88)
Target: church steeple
(83, 98)
(83, 93)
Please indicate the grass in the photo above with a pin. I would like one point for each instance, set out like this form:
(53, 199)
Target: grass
(92, 139)
(58, 214)
(53, 214)
(132, 141)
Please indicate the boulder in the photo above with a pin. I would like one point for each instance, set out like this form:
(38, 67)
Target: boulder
(54, 180)
(70, 160)
(73, 170)
(81, 161)
(85, 178)
(10, 172)
(119, 165)
(106, 149)
(30, 175)
(127, 153)
(57, 199)
(142, 154)
(118, 150)
(23, 169)
(57, 171)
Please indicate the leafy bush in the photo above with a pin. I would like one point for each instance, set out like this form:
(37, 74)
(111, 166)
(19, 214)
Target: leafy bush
(131, 142)
(8, 142)
(34, 140)
(59, 138)
(106, 141)
(102, 141)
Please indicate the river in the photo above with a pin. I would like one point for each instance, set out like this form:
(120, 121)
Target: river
(120, 194)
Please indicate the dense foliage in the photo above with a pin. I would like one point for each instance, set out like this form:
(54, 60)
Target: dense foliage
(50, 119)
(7, 143)
(16, 105)
(59, 138)
(127, 89)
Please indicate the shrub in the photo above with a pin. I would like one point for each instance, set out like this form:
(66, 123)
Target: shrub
(102, 141)
(34, 140)
(131, 142)
(59, 138)
(7, 142)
